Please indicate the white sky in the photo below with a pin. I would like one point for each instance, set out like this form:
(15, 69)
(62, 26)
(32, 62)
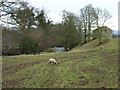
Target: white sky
(119, 17)
(54, 8)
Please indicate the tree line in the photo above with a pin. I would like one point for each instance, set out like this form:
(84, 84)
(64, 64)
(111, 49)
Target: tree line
(35, 32)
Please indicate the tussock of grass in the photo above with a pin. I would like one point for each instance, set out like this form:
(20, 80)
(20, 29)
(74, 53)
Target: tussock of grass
(83, 67)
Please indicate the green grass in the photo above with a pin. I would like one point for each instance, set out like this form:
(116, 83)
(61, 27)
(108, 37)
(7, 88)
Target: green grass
(85, 66)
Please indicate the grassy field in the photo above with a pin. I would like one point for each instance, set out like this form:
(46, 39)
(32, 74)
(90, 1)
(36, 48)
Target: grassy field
(83, 67)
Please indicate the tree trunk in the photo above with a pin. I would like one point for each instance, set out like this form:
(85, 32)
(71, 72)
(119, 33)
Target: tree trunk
(85, 40)
(89, 31)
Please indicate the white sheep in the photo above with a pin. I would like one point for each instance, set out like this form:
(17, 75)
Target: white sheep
(101, 47)
(51, 60)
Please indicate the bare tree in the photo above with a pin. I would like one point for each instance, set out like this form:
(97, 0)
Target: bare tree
(89, 16)
(103, 16)
(84, 21)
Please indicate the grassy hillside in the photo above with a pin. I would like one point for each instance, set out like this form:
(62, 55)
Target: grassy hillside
(84, 67)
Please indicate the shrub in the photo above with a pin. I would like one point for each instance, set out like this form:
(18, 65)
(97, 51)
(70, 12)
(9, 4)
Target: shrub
(50, 50)
(10, 51)
(28, 45)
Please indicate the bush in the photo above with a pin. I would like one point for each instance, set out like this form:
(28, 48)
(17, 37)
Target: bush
(50, 50)
(28, 45)
(10, 51)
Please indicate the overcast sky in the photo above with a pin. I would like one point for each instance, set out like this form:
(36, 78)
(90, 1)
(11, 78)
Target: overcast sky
(119, 17)
(54, 8)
